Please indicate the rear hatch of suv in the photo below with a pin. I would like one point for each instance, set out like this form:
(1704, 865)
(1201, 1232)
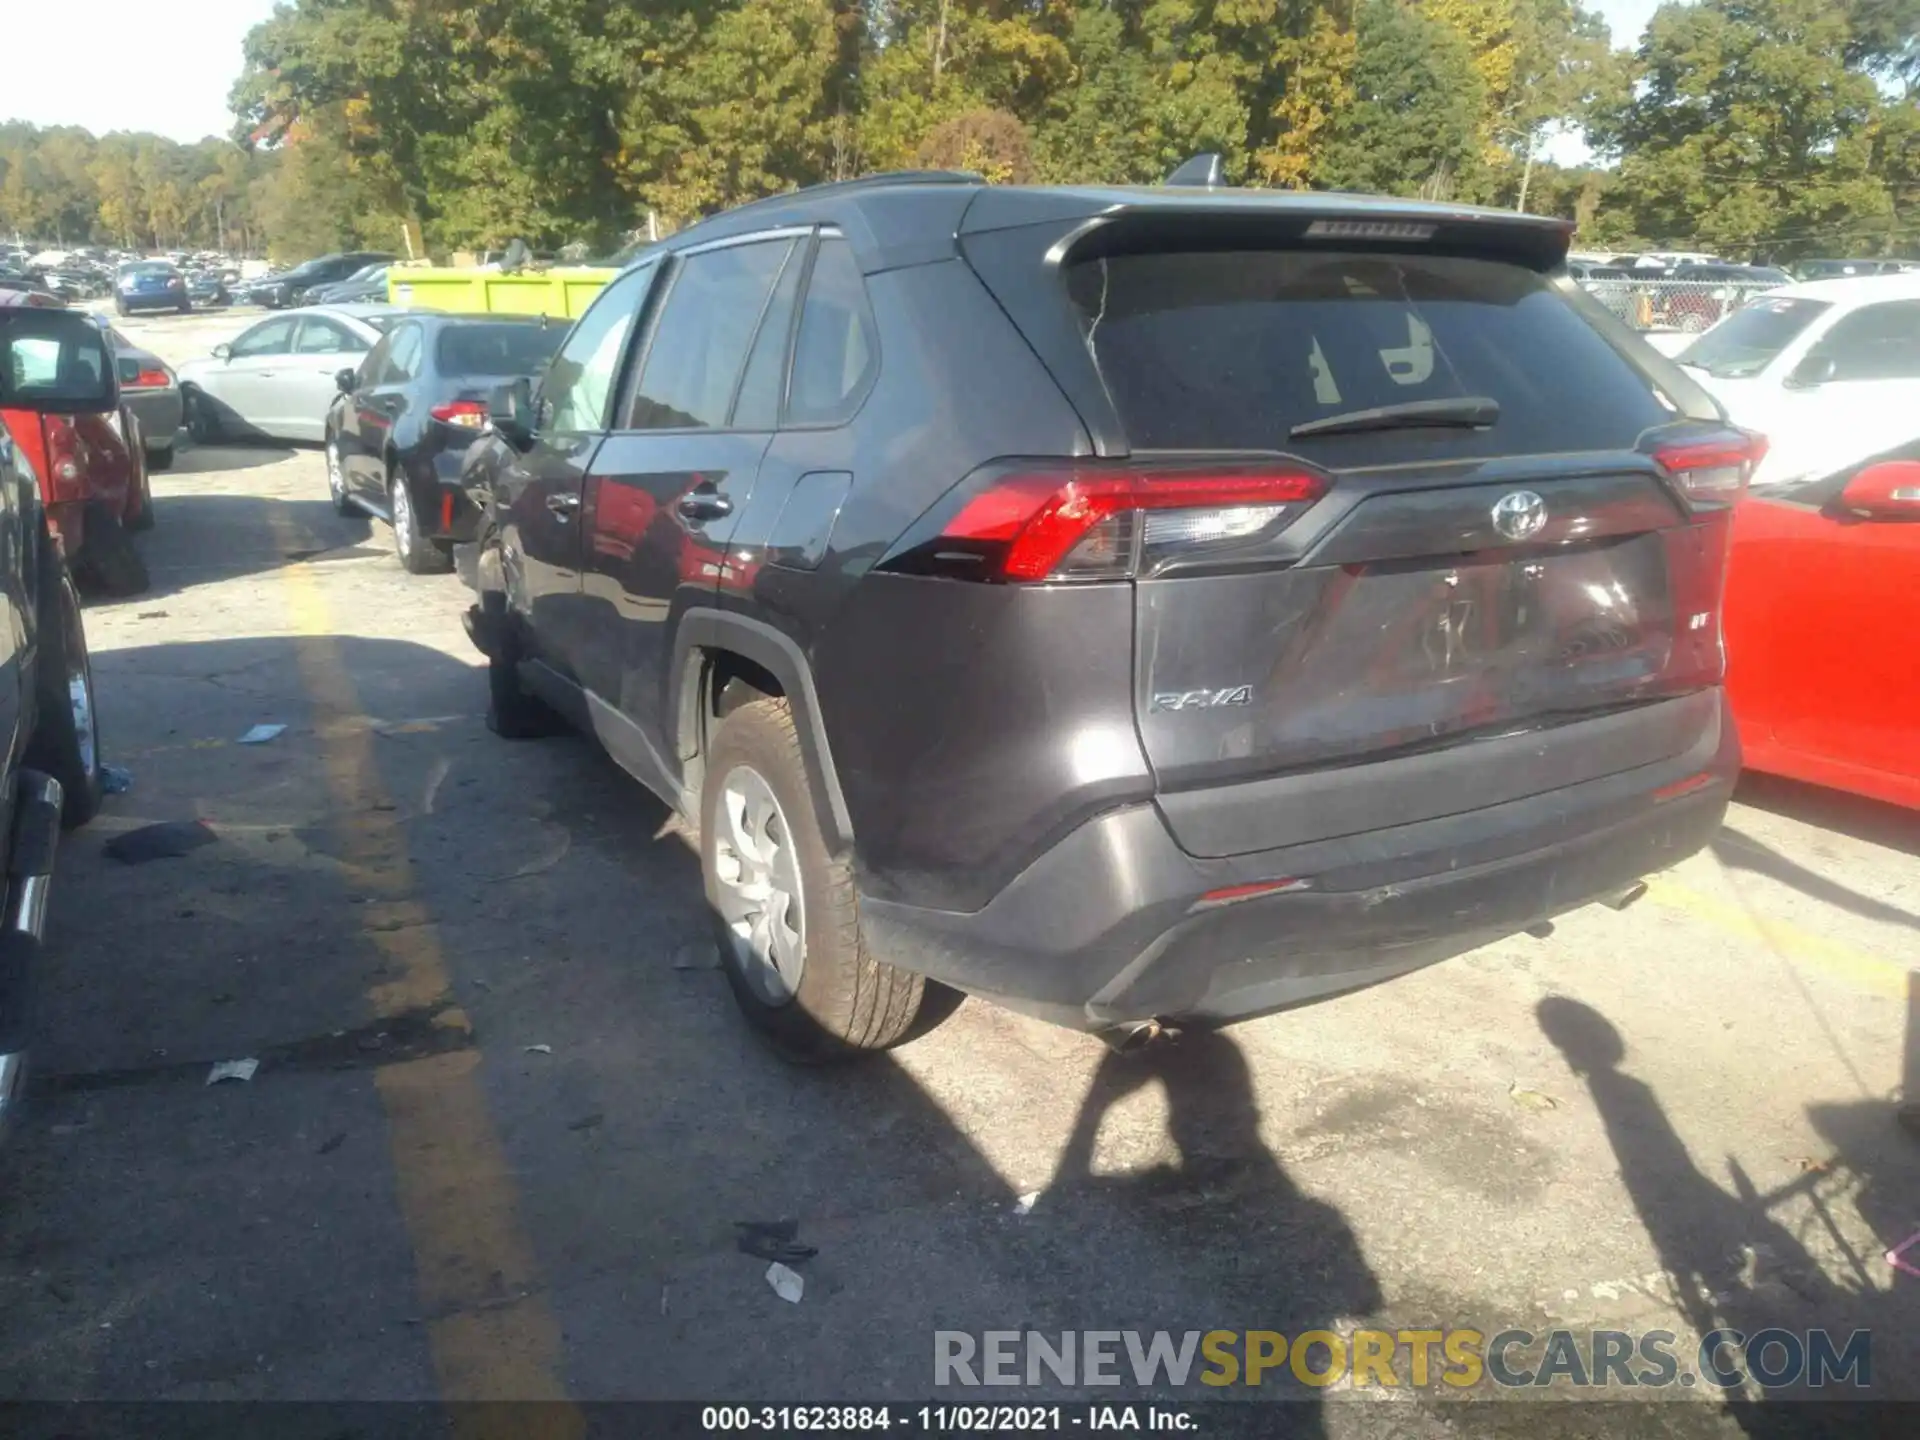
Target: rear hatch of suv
(1384, 504)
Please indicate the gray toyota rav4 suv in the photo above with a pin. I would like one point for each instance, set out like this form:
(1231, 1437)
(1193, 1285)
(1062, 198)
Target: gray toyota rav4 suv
(1171, 603)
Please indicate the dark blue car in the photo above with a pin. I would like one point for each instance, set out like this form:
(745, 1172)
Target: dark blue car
(150, 285)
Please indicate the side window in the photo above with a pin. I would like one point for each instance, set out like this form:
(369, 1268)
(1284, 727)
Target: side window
(699, 348)
(837, 353)
(274, 337)
(1876, 342)
(324, 337)
(579, 382)
(403, 355)
(763, 387)
(372, 369)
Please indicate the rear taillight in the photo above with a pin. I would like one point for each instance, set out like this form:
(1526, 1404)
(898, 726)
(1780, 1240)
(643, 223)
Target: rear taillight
(64, 450)
(1716, 469)
(150, 380)
(467, 414)
(1093, 522)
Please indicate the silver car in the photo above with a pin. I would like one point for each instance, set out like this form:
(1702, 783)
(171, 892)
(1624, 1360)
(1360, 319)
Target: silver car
(276, 378)
(149, 388)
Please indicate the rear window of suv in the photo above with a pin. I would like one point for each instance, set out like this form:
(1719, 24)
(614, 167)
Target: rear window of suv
(1231, 349)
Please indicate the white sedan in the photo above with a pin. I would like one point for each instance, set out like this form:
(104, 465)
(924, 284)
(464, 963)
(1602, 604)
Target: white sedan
(1828, 371)
(277, 378)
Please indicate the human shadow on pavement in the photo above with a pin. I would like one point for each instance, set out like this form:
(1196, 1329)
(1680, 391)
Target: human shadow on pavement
(1729, 1263)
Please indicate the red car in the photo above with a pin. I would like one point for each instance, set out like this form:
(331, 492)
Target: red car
(1821, 660)
(60, 400)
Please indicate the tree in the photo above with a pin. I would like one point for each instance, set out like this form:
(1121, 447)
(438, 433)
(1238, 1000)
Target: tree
(1414, 124)
(990, 142)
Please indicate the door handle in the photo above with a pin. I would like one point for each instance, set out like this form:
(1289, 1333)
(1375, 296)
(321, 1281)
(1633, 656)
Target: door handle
(563, 504)
(704, 504)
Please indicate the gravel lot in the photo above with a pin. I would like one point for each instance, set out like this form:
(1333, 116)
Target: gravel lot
(1671, 1117)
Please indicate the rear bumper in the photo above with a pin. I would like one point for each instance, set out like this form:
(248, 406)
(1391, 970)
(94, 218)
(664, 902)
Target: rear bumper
(446, 511)
(1109, 926)
(131, 303)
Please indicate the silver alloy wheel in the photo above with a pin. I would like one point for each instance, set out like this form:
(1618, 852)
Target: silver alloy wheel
(760, 892)
(336, 478)
(402, 518)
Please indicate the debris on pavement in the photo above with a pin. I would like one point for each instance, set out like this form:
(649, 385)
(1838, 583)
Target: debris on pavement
(261, 734)
(168, 840)
(1531, 1099)
(775, 1240)
(332, 1143)
(1810, 1166)
(786, 1283)
(588, 1122)
(1024, 1205)
(115, 779)
(153, 615)
(539, 1049)
(241, 1070)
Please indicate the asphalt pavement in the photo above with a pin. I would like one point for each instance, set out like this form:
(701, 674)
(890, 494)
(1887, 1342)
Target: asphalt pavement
(506, 1118)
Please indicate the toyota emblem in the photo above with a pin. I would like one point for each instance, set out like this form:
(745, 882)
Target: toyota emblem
(1519, 515)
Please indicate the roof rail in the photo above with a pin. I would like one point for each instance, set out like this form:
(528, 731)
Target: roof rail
(1205, 170)
(880, 180)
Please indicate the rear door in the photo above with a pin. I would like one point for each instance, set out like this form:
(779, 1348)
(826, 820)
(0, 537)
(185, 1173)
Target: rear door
(322, 348)
(667, 488)
(538, 499)
(1456, 580)
(377, 406)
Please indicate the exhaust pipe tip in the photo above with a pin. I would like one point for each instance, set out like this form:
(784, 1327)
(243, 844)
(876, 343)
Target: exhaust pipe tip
(1133, 1037)
(1632, 895)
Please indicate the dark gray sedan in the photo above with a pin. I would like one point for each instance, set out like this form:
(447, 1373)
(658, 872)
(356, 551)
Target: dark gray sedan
(149, 388)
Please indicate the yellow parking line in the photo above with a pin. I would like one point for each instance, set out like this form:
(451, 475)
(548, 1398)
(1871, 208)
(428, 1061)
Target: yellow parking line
(1857, 968)
(491, 1334)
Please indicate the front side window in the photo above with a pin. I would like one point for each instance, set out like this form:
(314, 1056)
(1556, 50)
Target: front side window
(699, 349)
(275, 337)
(579, 382)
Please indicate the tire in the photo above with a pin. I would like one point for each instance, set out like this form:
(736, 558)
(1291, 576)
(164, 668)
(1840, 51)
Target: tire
(121, 310)
(186, 308)
(337, 480)
(66, 735)
(143, 517)
(512, 713)
(837, 1000)
(203, 422)
(161, 459)
(417, 554)
(109, 558)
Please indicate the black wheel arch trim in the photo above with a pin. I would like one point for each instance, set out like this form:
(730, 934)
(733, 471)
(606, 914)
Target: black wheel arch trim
(776, 652)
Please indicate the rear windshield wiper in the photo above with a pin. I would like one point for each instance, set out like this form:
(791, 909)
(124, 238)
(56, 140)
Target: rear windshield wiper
(1468, 412)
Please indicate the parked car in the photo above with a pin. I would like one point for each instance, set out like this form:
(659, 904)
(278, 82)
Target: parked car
(1611, 285)
(290, 287)
(49, 728)
(60, 402)
(1849, 269)
(1828, 370)
(150, 285)
(37, 293)
(277, 377)
(1701, 295)
(1820, 658)
(406, 415)
(368, 283)
(150, 389)
(208, 288)
(1152, 604)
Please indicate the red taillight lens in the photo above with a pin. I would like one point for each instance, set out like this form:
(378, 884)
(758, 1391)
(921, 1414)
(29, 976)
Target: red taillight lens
(1088, 523)
(63, 450)
(467, 414)
(150, 380)
(1714, 469)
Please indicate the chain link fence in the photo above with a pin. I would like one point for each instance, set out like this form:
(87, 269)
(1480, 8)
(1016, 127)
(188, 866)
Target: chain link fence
(1672, 306)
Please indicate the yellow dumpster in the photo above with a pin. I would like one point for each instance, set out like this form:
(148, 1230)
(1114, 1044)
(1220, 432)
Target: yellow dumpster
(561, 292)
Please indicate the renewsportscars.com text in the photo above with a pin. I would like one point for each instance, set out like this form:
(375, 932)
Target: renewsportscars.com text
(1459, 1358)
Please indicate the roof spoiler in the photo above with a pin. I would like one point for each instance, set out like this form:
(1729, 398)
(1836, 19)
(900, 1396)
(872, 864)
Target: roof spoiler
(1205, 170)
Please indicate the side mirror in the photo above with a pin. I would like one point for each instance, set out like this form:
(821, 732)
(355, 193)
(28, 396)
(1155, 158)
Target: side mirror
(223, 352)
(346, 379)
(510, 411)
(1813, 371)
(1887, 491)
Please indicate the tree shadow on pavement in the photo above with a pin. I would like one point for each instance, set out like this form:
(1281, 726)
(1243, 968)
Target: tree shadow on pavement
(200, 538)
(1730, 1263)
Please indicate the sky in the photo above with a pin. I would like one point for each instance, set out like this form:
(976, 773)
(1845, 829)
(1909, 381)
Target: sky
(168, 69)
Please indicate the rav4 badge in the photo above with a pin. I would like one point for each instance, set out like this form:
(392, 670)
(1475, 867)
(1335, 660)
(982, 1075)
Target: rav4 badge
(1203, 699)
